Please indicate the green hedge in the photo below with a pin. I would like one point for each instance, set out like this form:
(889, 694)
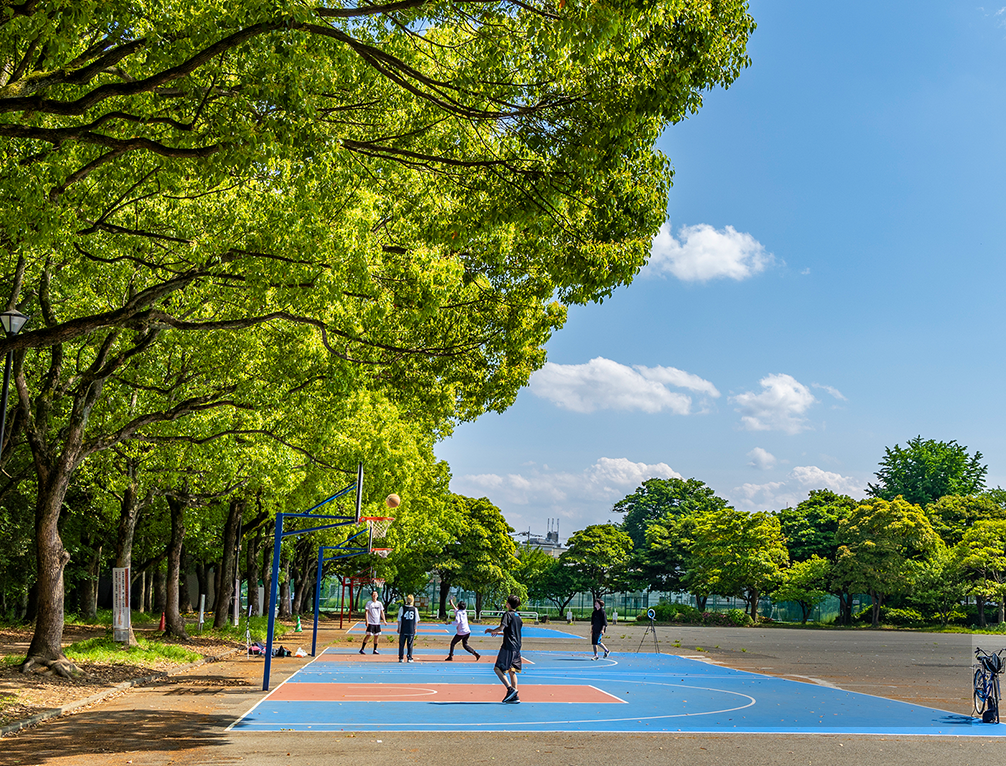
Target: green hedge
(685, 614)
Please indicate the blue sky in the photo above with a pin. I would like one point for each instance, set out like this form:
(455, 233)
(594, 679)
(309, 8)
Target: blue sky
(829, 282)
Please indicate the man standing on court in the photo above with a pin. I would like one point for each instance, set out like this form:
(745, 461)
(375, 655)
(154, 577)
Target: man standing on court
(375, 618)
(408, 621)
(508, 660)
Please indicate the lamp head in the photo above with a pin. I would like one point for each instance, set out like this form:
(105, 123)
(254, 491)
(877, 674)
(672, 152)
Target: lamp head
(12, 322)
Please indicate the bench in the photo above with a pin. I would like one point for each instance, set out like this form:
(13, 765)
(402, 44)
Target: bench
(533, 616)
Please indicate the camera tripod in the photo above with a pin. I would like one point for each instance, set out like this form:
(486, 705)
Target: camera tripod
(651, 628)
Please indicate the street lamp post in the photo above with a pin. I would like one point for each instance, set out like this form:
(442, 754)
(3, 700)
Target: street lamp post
(12, 322)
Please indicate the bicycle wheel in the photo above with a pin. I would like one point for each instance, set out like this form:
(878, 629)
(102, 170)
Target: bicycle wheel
(981, 687)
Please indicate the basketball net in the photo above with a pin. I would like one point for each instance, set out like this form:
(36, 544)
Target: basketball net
(379, 526)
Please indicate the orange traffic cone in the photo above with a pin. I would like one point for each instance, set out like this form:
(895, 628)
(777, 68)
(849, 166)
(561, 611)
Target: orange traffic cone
(161, 626)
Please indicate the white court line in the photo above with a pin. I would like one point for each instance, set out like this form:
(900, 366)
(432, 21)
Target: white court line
(273, 691)
(598, 689)
(556, 723)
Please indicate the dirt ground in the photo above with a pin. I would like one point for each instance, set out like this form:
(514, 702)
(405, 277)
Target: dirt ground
(24, 696)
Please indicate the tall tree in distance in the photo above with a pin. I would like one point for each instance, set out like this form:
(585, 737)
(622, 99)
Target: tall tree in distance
(924, 470)
(810, 528)
(598, 552)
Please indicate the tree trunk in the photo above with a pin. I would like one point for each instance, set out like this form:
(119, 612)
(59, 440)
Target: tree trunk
(252, 572)
(160, 588)
(129, 515)
(877, 598)
(752, 599)
(981, 611)
(445, 589)
(89, 588)
(284, 590)
(228, 564)
(844, 608)
(184, 594)
(478, 602)
(700, 602)
(173, 623)
(805, 608)
(46, 646)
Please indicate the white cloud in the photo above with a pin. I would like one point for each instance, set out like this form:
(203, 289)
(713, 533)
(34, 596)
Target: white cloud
(833, 391)
(602, 384)
(812, 477)
(701, 253)
(584, 497)
(761, 459)
(775, 495)
(780, 406)
(672, 376)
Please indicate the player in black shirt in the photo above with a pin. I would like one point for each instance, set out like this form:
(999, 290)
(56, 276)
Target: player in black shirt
(508, 660)
(598, 623)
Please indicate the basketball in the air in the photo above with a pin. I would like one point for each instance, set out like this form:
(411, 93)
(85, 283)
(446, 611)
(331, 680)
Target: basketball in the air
(393, 501)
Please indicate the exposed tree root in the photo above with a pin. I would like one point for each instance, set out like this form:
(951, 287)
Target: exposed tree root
(61, 667)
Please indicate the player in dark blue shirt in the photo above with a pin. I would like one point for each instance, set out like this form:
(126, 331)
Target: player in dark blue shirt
(408, 621)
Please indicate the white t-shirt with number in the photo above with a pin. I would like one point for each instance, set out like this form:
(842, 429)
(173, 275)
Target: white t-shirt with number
(374, 609)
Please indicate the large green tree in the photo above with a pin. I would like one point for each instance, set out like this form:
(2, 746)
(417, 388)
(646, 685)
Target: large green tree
(405, 189)
(879, 541)
(736, 553)
(599, 553)
(924, 470)
(811, 526)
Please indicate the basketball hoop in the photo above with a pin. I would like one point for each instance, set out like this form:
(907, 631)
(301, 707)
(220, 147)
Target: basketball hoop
(382, 552)
(378, 525)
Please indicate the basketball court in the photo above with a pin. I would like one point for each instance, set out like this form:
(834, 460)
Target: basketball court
(564, 691)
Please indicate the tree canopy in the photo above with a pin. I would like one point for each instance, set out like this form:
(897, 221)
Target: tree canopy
(923, 471)
(221, 206)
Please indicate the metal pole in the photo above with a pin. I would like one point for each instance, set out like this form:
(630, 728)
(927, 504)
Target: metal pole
(3, 401)
(273, 594)
(317, 598)
(359, 489)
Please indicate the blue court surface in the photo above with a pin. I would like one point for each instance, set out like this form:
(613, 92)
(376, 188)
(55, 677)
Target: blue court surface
(439, 629)
(565, 691)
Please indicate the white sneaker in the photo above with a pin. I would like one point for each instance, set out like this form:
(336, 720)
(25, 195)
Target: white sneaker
(606, 652)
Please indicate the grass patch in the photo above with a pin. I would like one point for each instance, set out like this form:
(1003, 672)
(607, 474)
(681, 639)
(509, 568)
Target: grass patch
(108, 652)
(13, 659)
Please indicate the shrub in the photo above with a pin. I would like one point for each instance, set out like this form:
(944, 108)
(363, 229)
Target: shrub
(740, 618)
(689, 615)
(901, 617)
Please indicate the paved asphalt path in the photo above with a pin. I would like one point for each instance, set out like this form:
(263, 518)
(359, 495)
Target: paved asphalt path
(182, 720)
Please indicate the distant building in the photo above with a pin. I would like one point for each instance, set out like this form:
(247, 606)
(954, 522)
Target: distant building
(549, 543)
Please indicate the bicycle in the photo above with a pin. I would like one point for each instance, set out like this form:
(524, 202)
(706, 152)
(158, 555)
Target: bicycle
(986, 684)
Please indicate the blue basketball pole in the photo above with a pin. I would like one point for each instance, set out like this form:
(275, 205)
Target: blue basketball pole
(273, 597)
(317, 598)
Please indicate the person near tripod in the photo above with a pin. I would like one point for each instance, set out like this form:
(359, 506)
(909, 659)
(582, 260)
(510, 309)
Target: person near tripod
(598, 624)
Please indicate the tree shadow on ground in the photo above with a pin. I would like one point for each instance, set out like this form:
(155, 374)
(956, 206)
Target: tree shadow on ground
(103, 732)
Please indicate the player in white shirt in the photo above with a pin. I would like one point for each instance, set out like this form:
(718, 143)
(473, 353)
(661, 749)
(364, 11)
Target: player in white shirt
(375, 618)
(461, 630)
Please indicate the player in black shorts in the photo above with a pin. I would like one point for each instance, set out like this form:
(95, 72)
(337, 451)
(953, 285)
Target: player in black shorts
(598, 624)
(508, 659)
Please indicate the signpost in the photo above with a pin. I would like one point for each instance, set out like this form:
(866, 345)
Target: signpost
(120, 605)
